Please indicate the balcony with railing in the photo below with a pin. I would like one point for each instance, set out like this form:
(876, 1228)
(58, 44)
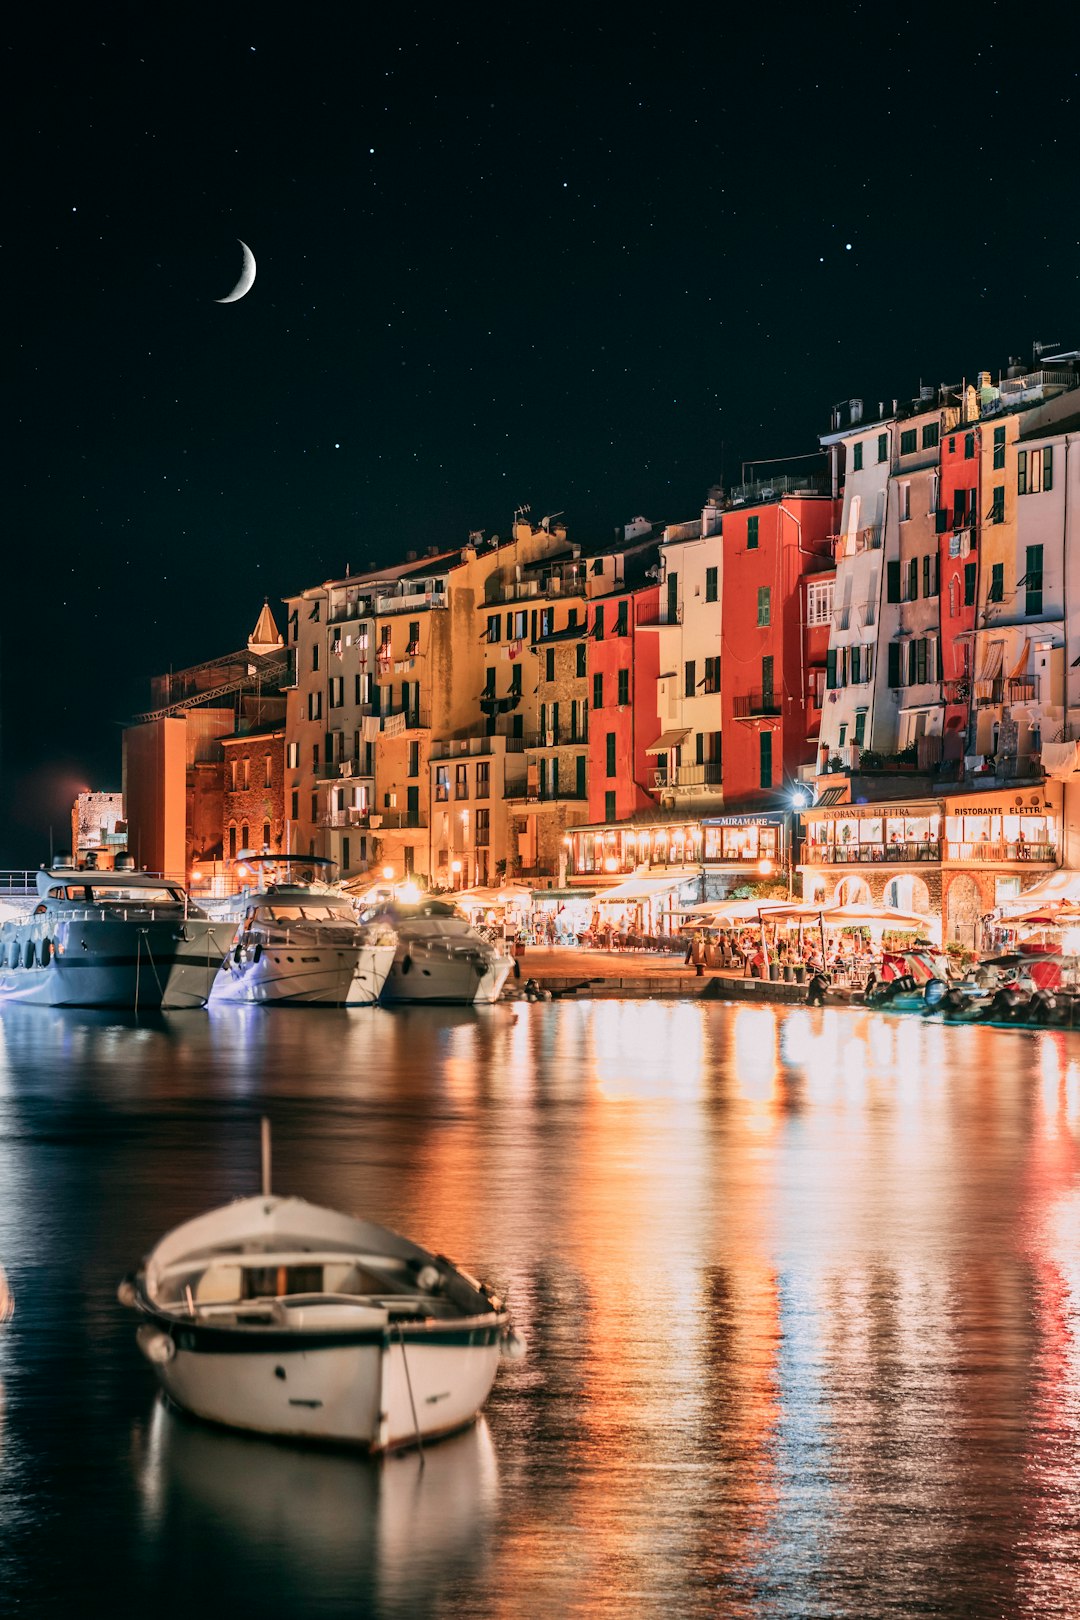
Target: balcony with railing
(1023, 853)
(760, 490)
(663, 613)
(396, 721)
(557, 737)
(395, 820)
(856, 542)
(688, 776)
(853, 854)
(351, 816)
(565, 579)
(756, 705)
(410, 602)
(476, 747)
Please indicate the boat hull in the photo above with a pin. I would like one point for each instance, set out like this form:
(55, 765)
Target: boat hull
(280, 1317)
(111, 963)
(431, 976)
(362, 1393)
(323, 975)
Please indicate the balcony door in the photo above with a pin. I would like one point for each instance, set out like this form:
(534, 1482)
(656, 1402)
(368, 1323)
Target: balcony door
(767, 683)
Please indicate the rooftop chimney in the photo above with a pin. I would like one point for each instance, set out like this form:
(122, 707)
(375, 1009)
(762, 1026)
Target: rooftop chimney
(855, 406)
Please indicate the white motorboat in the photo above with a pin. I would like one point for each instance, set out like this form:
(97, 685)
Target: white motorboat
(299, 944)
(441, 957)
(281, 1317)
(109, 939)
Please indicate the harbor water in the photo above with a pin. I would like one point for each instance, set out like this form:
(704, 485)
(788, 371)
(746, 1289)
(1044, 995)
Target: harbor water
(801, 1291)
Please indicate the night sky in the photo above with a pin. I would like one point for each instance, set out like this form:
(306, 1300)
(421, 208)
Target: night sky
(563, 259)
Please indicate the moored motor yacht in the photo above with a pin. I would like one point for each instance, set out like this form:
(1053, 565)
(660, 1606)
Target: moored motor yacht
(278, 1316)
(109, 939)
(441, 957)
(298, 944)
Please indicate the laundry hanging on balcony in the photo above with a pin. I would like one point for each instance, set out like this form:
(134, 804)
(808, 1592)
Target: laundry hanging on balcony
(991, 657)
(1020, 667)
(1059, 760)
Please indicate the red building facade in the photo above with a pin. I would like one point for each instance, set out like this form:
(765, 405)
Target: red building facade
(770, 677)
(623, 667)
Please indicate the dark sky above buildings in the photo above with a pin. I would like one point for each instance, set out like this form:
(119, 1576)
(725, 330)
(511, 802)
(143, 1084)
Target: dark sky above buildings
(590, 260)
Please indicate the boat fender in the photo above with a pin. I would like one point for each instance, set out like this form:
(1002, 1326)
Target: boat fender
(256, 953)
(406, 963)
(155, 1345)
(126, 1292)
(512, 1345)
(46, 952)
(517, 968)
(238, 954)
(7, 1299)
(429, 1278)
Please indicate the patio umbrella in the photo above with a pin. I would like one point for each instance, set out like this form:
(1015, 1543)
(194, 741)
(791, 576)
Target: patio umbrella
(857, 912)
(723, 911)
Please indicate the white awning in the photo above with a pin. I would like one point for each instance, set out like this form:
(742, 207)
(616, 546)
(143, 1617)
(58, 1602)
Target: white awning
(648, 888)
(1058, 888)
(668, 739)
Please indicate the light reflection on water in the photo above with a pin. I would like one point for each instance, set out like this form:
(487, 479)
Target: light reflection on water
(801, 1291)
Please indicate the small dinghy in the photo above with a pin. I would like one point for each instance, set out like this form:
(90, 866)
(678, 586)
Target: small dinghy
(278, 1316)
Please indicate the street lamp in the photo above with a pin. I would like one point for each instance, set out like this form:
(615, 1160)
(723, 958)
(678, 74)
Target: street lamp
(800, 798)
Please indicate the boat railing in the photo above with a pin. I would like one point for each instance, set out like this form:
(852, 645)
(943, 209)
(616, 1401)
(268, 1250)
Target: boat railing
(171, 911)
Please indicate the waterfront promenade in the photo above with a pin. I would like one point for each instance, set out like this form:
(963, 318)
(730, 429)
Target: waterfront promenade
(561, 969)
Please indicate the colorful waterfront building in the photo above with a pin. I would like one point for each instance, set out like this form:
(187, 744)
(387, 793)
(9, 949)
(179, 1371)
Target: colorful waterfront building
(686, 746)
(623, 668)
(776, 544)
(957, 530)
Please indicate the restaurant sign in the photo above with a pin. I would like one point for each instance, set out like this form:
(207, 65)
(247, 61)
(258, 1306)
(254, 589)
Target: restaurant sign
(876, 812)
(983, 806)
(762, 820)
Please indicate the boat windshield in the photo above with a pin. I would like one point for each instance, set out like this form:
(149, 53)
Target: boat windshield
(310, 911)
(131, 894)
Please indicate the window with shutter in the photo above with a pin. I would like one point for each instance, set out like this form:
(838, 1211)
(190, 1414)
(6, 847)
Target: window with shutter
(856, 456)
(969, 584)
(830, 669)
(765, 747)
(1033, 580)
(999, 448)
(1021, 472)
(892, 586)
(913, 580)
(920, 661)
(1048, 467)
(895, 649)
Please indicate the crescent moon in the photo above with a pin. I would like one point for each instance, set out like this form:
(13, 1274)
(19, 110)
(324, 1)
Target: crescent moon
(247, 277)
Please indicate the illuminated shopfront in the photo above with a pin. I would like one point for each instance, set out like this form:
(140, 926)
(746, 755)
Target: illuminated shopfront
(857, 835)
(744, 839)
(1022, 827)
